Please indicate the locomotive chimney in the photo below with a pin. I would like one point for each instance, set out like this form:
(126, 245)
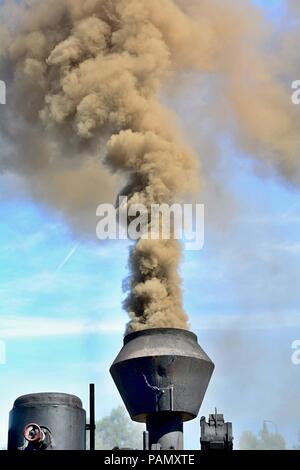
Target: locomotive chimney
(162, 375)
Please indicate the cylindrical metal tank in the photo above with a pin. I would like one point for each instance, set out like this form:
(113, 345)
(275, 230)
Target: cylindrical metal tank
(58, 417)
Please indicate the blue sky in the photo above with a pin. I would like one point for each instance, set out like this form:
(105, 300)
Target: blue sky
(272, 7)
(60, 296)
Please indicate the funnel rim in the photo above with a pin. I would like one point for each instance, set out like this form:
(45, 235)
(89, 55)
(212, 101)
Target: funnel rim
(154, 331)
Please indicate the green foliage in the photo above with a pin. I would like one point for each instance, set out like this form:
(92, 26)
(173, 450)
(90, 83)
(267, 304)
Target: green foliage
(117, 430)
(297, 446)
(264, 441)
(248, 441)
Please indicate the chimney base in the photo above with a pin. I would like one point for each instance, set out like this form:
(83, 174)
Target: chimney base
(165, 431)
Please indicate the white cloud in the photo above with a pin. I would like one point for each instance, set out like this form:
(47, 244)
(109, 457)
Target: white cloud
(38, 327)
(32, 327)
(255, 321)
(292, 248)
(289, 217)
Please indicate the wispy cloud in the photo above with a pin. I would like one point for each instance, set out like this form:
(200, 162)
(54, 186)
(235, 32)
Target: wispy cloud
(289, 217)
(32, 327)
(291, 248)
(255, 321)
(40, 327)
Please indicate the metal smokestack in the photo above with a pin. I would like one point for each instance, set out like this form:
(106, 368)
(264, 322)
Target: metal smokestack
(162, 375)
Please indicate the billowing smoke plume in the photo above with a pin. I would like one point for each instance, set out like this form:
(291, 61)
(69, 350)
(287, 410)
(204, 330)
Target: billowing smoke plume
(85, 80)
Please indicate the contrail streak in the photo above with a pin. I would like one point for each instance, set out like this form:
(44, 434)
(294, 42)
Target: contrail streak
(67, 258)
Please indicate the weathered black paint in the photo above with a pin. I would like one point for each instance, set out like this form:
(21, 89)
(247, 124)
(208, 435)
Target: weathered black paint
(162, 369)
(61, 413)
(162, 375)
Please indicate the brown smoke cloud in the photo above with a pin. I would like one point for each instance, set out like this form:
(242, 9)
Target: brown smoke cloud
(85, 80)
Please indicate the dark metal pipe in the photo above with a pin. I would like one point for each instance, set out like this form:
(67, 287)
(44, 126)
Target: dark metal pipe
(165, 431)
(146, 445)
(92, 425)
